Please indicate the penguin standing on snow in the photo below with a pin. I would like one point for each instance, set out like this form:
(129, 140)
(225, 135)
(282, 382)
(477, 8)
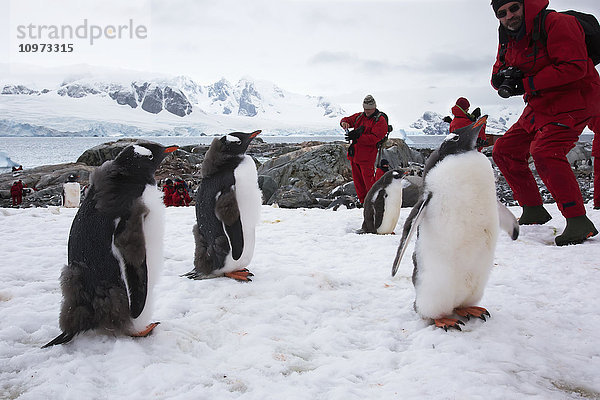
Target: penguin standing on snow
(115, 247)
(457, 223)
(228, 203)
(382, 204)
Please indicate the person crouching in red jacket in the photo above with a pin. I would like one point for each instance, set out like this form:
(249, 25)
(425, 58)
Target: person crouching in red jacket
(168, 191)
(369, 127)
(180, 197)
(561, 89)
(462, 118)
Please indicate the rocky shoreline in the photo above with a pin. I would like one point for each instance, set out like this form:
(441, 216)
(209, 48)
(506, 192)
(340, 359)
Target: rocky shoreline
(291, 175)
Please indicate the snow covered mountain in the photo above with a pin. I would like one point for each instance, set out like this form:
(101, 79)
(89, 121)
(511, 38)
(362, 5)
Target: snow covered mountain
(432, 123)
(97, 107)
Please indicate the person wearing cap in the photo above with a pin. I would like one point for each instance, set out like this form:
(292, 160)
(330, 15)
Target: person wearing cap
(561, 89)
(462, 118)
(368, 129)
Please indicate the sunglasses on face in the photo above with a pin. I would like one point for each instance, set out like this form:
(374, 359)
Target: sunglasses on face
(513, 9)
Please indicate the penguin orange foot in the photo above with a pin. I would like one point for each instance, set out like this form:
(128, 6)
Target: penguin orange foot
(147, 331)
(469, 312)
(446, 323)
(240, 275)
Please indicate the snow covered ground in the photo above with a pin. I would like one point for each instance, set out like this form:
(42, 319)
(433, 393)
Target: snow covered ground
(323, 319)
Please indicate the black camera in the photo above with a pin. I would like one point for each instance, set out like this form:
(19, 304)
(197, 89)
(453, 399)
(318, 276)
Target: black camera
(511, 82)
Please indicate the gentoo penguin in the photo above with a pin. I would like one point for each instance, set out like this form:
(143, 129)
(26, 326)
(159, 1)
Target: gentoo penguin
(115, 247)
(457, 222)
(71, 192)
(228, 203)
(382, 204)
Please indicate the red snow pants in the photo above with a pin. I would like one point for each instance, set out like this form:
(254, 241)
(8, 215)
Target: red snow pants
(548, 146)
(363, 176)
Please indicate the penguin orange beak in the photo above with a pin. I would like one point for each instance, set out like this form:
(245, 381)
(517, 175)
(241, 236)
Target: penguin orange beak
(254, 134)
(481, 121)
(171, 149)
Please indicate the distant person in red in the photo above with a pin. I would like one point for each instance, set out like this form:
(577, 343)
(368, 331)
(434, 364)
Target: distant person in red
(16, 193)
(180, 197)
(594, 125)
(168, 191)
(462, 118)
(369, 127)
(382, 168)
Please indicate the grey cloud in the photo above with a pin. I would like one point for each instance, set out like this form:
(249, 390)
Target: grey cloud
(352, 60)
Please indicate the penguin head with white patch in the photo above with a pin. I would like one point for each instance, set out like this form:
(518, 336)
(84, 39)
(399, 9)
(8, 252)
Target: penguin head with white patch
(227, 152)
(460, 141)
(236, 143)
(141, 160)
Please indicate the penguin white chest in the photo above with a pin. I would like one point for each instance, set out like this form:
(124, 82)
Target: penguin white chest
(392, 206)
(153, 228)
(249, 200)
(457, 236)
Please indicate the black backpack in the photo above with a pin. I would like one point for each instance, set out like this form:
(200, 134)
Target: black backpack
(588, 22)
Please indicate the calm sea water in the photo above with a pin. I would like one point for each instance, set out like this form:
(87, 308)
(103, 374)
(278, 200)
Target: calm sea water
(35, 151)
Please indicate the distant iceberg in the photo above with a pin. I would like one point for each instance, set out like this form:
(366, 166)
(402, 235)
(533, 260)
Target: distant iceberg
(6, 162)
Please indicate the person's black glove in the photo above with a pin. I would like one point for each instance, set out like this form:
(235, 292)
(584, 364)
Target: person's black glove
(481, 142)
(447, 119)
(476, 113)
(355, 133)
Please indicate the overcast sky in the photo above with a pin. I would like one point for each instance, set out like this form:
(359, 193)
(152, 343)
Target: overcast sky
(410, 54)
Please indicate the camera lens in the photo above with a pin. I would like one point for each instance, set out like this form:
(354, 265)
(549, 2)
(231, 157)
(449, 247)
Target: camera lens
(505, 91)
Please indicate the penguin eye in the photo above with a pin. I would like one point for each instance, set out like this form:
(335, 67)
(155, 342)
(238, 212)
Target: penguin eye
(151, 157)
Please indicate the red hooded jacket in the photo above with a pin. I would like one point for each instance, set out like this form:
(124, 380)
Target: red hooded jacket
(461, 120)
(561, 78)
(179, 199)
(366, 144)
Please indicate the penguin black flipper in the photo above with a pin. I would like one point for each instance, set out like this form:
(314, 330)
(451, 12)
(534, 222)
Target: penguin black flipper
(410, 227)
(227, 211)
(129, 241)
(379, 205)
(63, 338)
(137, 281)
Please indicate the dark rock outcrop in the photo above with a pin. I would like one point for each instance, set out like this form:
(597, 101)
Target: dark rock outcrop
(176, 102)
(311, 174)
(292, 197)
(124, 96)
(153, 100)
(18, 89)
(76, 90)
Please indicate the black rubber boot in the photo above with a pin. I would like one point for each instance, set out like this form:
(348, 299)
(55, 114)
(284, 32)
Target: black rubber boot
(578, 229)
(534, 215)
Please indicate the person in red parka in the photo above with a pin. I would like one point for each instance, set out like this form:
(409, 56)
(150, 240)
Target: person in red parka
(180, 197)
(16, 193)
(369, 127)
(594, 125)
(168, 191)
(561, 89)
(462, 118)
